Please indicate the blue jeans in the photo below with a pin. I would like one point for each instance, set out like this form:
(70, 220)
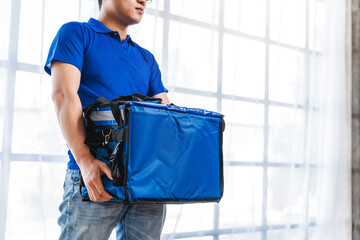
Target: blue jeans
(90, 220)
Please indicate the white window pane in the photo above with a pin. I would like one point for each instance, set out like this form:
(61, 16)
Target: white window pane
(243, 144)
(243, 112)
(315, 233)
(35, 192)
(189, 217)
(286, 203)
(293, 234)
(3, 76)
(156, 4)
(313, 195)
(242, 236)
(26, 131)
(245, 16)
(199, 238)
(57, 13)
(243, 67)
(29, 50)
(241, 205)
(193, 57)
(26, 122)
(201, 10)
(286, 135)
(317, 24)
(35, 128)
(89, 8)
(243, 136)
(5, 6)
(149, 35)
(287, 21)
(51, 138)
(193, 101)
(287, 75)
(27, 90)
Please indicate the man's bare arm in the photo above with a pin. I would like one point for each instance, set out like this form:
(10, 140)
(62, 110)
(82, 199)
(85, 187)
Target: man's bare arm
(163, 96)
(66, 81)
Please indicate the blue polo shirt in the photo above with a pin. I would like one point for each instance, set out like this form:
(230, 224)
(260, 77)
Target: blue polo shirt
(108, 67)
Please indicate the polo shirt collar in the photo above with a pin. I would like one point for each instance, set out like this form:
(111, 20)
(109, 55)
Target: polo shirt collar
(98, 26)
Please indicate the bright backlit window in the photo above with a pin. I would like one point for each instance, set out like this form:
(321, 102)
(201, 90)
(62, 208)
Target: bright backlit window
(238, 57)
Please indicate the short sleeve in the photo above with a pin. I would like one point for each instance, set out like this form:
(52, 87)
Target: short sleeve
(156, 85)
(67, 46)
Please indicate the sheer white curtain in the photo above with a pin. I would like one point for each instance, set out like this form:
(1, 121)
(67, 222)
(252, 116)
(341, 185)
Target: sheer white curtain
(275, 68)
(327, 138)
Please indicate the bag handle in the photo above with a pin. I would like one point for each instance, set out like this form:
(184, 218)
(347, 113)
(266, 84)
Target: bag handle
(119, 114)
(137, 97)
(98, 101)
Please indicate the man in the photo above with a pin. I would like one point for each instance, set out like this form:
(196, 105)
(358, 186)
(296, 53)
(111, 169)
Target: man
(88, 60)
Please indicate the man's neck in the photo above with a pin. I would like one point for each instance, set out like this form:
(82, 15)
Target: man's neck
(114, 25)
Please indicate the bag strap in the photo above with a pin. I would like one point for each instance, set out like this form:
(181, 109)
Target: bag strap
(99, 101)
(137, 97)
(117, 164)
(103, 137)
(118, 114)
(147, 98)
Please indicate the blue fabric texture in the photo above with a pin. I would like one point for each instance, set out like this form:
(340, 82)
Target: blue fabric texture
(108, 66)
(186, 163)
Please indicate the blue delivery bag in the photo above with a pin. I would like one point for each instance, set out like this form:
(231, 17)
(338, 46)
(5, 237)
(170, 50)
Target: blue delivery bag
(157, 153)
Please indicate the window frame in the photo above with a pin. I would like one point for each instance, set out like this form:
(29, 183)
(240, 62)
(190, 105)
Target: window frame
(11, 66)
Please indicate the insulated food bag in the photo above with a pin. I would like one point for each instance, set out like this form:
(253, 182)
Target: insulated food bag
(157, 153)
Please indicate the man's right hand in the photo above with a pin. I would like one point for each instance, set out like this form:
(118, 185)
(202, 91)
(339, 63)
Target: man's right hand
(66, 81)
(91, 171)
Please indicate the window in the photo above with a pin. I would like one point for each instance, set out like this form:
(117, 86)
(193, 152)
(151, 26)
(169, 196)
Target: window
(241, 58)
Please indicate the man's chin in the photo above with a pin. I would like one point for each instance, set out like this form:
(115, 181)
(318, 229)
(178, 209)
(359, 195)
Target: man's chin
(135, 21)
